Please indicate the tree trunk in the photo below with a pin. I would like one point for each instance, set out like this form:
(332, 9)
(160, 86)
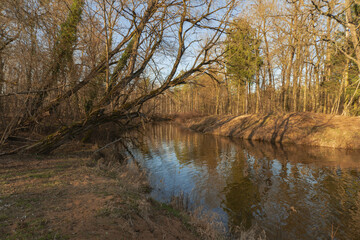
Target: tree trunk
(287, 79)
(307, 73)
(257, 92)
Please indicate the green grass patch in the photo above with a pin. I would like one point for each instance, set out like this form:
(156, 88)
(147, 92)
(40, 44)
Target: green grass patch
(42, 175)
(3, 217)
(6, 176)
(171, 211)
(63, 166)
(34, 229)
(166, 207)
(26, 203)
(32, 173)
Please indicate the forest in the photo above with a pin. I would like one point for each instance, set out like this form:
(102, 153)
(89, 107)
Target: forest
(282, 56)
(179, 119)
(69, 66)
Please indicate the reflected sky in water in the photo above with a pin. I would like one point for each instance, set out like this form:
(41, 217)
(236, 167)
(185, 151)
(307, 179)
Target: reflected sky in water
(292, 192)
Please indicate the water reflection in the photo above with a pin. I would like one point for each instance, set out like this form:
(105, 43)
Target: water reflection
(292, 192)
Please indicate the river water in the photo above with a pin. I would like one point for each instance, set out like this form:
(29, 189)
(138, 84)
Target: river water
(291, 192)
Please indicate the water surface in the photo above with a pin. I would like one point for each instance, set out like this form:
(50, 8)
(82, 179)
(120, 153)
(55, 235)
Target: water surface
(291, 192)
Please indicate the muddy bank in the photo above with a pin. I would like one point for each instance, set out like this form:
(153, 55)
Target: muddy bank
(295, 128)
(75, 197)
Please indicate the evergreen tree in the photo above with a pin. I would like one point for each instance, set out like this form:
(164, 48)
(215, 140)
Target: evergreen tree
(242, 57)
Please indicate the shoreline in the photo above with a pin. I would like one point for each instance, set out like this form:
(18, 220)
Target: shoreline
(310, 129)
(74, 196)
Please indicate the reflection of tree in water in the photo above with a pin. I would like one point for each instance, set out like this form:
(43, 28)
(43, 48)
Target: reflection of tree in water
(241, 194)
(291, 193)
(292, 200)
(201, 150)
(342, 189)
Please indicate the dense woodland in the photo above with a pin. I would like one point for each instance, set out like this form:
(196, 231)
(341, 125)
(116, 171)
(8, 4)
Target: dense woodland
(68, 66)
(282, 56)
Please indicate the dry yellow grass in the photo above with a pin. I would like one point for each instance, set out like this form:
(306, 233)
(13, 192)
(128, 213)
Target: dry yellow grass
(296, 128)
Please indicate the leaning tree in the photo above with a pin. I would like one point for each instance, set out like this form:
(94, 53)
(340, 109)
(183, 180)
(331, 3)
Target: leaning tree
(166, 42)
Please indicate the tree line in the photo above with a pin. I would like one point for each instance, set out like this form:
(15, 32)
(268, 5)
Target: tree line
(69, 66)
(282, 56)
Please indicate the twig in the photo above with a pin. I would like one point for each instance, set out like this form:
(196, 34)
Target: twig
(30, 92)
(107, 145)
(12, 152)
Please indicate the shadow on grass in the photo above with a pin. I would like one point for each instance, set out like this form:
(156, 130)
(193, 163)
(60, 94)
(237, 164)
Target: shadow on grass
(297, 127)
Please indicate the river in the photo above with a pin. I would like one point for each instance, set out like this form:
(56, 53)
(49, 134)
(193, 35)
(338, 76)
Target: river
(291, 192)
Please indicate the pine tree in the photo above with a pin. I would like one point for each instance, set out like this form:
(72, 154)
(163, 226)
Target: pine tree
(242, 58)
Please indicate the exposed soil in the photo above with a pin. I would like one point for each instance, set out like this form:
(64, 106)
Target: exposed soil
(74, 197)
(295, 128)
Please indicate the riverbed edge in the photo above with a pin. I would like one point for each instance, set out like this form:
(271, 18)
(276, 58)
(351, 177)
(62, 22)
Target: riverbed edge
(54, 196)
(311, 129)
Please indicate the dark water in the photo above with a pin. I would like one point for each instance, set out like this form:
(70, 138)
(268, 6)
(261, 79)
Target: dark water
(292, 192)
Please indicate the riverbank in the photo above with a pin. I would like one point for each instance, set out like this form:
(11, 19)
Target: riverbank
(76, 197)
(310, 129)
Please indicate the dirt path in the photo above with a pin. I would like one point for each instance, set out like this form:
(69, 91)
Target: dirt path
(75, 198)
(296, 128)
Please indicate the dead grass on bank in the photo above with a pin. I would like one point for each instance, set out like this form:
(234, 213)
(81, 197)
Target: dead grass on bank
(74, 197)
(306, 128)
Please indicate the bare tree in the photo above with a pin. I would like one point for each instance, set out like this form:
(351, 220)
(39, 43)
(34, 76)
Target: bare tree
(149, 36)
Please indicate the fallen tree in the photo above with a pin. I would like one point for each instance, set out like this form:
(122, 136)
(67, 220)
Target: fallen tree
(113, 89)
